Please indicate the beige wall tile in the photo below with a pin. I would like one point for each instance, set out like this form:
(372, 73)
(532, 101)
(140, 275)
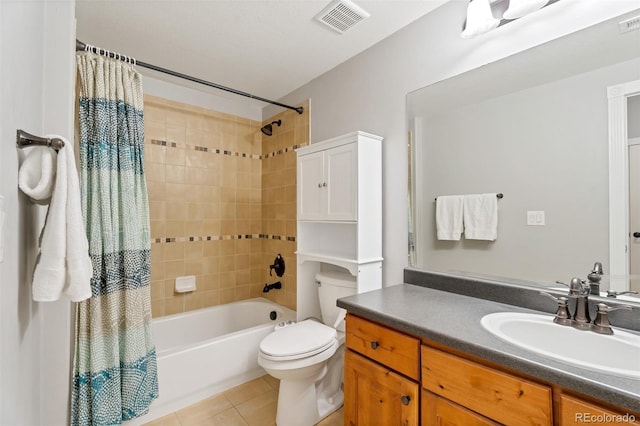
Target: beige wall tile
(174, 251)
(174, 228)
(211, 298)
(173, 269)
(174, 305)
(154, 153)
(156, 210)
(157, 308)
(194, 193)
(175, 174)
(157, 228)
(176, 156)
(157, 290)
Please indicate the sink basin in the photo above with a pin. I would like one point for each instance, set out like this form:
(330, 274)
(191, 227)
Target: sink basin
(617, 354)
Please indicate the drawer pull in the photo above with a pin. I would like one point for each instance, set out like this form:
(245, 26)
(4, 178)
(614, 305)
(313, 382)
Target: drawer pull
(405, 399)
(374, 345)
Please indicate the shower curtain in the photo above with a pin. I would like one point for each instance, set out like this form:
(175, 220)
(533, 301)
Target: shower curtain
(115, 376)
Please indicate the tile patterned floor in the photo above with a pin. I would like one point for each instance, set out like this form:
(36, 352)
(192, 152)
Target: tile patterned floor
(250, 404)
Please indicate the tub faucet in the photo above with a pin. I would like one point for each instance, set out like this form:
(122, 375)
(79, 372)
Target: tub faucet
(269, 287)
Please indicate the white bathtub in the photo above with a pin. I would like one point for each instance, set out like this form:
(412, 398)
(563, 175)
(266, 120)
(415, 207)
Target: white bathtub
(204, 352)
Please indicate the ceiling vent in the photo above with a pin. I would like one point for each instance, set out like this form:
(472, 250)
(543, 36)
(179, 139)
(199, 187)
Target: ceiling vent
(342, 15)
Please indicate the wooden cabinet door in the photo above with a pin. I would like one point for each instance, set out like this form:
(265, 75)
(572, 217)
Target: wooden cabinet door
(311, 194)
(574, 412)
(437, 411)
(341, 177)
(377, 396)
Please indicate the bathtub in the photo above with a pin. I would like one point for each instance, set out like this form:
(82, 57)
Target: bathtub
(207, 351)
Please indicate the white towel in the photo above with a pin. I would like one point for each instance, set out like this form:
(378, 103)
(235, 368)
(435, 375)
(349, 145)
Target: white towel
(64, 265)
(38, 173)
(481, 217)
(449, 217)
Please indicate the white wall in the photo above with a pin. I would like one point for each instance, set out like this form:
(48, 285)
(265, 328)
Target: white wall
(36, 86)
(368, 91)
(213, 99)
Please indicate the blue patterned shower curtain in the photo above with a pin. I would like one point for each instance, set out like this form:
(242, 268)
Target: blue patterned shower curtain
(115, 376)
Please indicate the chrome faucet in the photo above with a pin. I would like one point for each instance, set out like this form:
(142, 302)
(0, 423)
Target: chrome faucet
(594, 278)
(580, 290)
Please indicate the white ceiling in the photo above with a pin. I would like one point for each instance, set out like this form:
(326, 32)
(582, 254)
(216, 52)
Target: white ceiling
(264, 47)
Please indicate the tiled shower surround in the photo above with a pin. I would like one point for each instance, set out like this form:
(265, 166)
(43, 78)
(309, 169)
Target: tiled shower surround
(222, 200)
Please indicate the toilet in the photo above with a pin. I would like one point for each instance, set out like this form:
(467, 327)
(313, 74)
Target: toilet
(308, 357)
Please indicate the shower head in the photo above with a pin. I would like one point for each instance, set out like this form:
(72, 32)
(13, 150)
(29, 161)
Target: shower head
(267, 129)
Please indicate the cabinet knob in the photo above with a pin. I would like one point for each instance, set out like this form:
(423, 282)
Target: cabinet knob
(324, 184)
(636, 235)
(405, 399)
(319, 185)
(374, 345)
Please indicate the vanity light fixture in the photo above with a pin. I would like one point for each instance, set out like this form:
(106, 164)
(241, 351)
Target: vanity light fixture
(485, 15)
(480, 19)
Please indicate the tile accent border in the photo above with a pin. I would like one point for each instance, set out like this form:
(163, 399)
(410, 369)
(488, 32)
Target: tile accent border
(166, 240)
(170, 144)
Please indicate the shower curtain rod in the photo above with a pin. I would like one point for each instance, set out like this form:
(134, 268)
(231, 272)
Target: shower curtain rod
(82, 46)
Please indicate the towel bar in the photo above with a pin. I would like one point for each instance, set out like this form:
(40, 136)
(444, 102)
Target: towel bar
(24, 139)
(498, 195)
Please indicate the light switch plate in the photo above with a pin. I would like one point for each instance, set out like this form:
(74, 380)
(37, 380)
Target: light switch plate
(535, 218)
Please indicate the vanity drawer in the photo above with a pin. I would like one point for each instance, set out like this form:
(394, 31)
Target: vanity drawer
(389, 347)
(499, 396)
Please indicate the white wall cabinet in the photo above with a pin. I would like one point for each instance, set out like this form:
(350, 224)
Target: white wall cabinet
(328, 184)
(339, 208)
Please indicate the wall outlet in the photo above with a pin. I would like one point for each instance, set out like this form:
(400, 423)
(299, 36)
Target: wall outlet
(535, 218)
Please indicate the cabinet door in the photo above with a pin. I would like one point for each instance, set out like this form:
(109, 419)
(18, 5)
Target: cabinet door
(375, 395)
(437, 411)
(311, 193)
(574, 412)
(341, 177)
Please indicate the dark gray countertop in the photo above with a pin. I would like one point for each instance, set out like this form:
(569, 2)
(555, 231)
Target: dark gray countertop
(454, 320)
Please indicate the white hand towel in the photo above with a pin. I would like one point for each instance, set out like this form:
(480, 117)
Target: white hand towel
(449, 225)
(38, 173)
(64, 264)
(481, 217)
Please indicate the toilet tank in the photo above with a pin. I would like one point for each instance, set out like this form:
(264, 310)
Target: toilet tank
(332, 286)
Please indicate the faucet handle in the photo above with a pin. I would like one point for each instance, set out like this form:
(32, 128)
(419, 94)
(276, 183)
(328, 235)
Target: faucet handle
(614, 294)
(562, 313)
(601, 323)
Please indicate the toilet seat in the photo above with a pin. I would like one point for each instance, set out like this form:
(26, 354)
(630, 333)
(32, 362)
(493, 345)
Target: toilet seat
(301, 340)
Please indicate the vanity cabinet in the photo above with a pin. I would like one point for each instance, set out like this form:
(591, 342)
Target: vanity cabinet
(391, 377)
(381, 375)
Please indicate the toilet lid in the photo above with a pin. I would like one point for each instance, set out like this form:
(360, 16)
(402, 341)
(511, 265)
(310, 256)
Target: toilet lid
(305, 338)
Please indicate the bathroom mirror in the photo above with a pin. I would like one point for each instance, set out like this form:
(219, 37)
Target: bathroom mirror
(534, 127)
